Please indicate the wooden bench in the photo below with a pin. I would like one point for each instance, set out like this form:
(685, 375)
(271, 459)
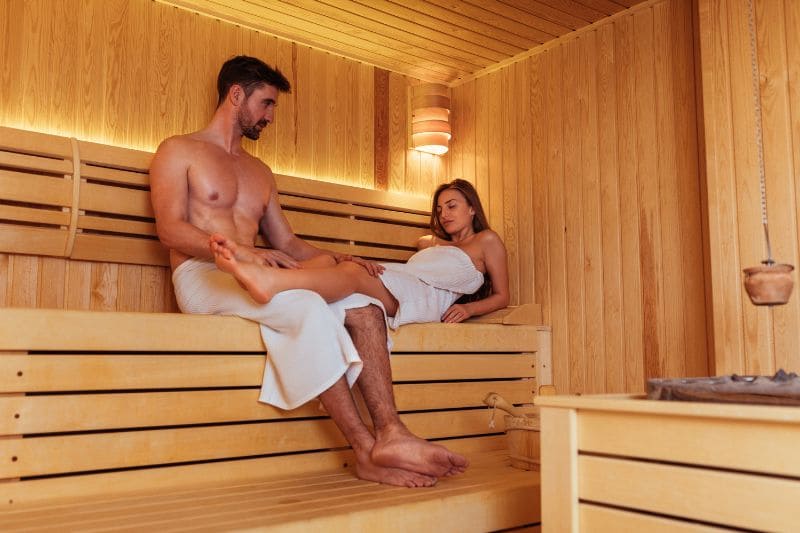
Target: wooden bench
(624, 463)
(112, 420)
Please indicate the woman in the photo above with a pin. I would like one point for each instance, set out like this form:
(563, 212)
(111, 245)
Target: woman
(462, 257)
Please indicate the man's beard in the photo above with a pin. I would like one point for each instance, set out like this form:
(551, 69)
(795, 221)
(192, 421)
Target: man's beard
(250, 130)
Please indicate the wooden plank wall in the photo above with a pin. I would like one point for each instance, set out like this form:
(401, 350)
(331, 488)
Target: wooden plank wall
(133, 72)
(586, 156)
(750, 339)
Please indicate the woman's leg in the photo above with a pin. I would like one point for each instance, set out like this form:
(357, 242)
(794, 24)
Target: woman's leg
(332, 283)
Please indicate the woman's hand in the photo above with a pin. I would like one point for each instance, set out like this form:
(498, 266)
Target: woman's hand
(456, 313)
(374, 269)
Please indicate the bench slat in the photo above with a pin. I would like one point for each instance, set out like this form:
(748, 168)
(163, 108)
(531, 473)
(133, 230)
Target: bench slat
(112, 175)
(76, 372)
(368, 197)
(35, 163)
(33, 241)
(327, 206)
(103, 155)
(84, 412)
(35, 188)
(115, 200)
(97, 486)
(370, 252)
(117, 225)
(30, 214)
(33, 142)
(29, 329)
(333, 227)
(119, 249)
(99, 451)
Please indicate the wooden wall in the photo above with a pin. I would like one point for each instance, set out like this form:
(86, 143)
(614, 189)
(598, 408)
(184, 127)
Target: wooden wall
(749, 339)
(133, 72)
(586, 156)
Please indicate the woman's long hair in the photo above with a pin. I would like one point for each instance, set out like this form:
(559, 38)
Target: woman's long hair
(479, 223)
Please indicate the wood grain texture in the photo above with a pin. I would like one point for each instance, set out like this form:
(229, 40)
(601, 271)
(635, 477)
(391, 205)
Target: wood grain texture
(604, 152)
(749, 339)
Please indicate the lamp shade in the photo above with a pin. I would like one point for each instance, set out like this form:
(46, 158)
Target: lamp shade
(430, 118)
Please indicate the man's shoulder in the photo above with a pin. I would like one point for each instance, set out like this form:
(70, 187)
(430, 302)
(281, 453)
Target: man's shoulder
(180, 143)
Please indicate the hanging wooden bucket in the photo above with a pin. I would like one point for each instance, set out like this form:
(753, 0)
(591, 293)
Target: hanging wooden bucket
(769, 284)
(522, 433)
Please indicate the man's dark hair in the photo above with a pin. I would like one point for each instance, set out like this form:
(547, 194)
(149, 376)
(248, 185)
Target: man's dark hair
(249, 73)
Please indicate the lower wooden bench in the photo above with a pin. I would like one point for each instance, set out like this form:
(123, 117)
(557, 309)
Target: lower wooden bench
(143, 421)
(623, 463)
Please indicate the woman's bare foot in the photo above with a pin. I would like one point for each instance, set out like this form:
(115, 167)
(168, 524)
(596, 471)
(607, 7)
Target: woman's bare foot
(399, 448)
(367, 469)
(255, 279)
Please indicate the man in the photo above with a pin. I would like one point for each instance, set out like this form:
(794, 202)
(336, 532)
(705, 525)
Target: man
(204, 183)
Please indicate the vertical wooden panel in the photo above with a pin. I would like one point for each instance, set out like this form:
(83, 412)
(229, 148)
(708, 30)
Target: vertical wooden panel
(792, 13)
(366, 130)
(495, 152)
(398, 139)
(5, 279)
(104, 286)
(573, 201)
(529, 218)
(538, 239)
(613, 346)
(482, 142)
(78, 285)
(337, 129)
(507, 183)
(52, 277)
(320, 98)
(24, 271)
(303, 91)
(381, 128)
(286, 112)
(592, 221)
(129, 287)
(633, 327)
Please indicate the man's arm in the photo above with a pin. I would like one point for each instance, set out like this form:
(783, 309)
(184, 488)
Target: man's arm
(169, 194)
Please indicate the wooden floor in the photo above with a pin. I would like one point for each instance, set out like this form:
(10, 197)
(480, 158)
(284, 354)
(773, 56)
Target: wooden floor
(481, 499)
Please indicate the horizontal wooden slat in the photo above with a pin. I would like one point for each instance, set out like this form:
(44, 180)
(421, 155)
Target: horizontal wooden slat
(119, 249)
(410, 367)
(325, 206)
(73, 453)
(35, 188)
(75, 372)
(368, 197)
(726, 498)
(374, 252)
(35, 163)
(761, 446)
(117, 225)
(33, 142)
(595, 518)
(330, 227)
(33, 241)
(22, 415)
(465, 338)
(30, 214)
(99, 486)
(27, 329)
(115, 200)
(103, 155)
(113, 175)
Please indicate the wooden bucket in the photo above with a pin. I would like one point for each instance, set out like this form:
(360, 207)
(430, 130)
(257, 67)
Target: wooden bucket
(522, 433)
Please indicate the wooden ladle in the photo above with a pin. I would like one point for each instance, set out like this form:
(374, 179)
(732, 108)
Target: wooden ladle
(495, 400)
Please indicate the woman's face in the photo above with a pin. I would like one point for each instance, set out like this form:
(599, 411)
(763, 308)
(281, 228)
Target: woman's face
(454, 212)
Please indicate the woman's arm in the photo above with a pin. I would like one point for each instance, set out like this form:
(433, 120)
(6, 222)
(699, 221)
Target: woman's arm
(495, 259)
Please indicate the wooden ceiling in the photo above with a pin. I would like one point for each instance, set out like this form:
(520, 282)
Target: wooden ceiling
(433, 40)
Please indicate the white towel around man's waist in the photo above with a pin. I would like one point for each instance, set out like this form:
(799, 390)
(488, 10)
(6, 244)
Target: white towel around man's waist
(309, 348)
(429, 283)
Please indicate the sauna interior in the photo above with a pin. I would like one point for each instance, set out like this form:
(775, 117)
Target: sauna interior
(612, 143)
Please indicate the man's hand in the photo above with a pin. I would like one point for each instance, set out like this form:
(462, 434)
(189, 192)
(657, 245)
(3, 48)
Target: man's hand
(273, 258)
(374, 269)
(456, 313)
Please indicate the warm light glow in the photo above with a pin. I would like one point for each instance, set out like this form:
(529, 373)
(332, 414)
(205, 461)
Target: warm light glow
(430, 119)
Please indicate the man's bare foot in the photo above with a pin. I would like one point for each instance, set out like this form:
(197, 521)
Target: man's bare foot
(367, 469)
(399, 448)
(256, 279)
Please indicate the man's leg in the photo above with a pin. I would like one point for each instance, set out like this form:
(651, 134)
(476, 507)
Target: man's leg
(340, 406)
(395, 445)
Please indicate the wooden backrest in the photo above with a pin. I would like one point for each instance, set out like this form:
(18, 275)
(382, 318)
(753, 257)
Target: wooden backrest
(101, 403)
(68, 198)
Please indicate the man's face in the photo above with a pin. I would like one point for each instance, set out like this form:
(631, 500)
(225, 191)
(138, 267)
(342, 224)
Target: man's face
(257, 111)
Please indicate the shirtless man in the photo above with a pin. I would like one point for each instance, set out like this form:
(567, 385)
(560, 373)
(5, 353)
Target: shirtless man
(204, 183)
